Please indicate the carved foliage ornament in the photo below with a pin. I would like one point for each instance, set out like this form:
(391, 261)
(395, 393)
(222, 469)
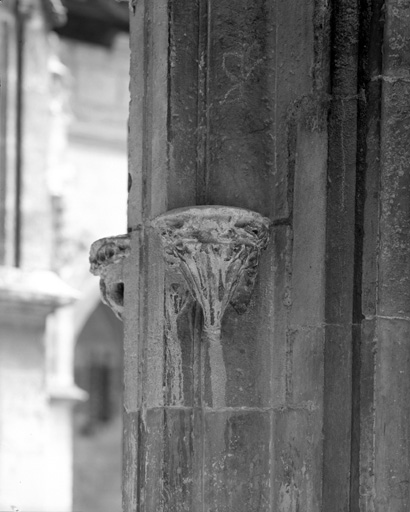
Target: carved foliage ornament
(217, 250)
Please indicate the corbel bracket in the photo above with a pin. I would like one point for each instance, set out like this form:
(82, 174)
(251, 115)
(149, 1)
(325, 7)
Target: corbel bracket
(217, 250)
(107, 257)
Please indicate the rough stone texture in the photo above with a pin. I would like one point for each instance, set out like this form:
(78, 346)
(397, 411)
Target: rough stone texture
(274, 107)
(217, 250)
(107, 261)
(394, 264)
(384, 416)
(237, 467)
(231, 113)
(381, 269)
(392, 446)
(298, 455)
(391, 453)
(340, 252)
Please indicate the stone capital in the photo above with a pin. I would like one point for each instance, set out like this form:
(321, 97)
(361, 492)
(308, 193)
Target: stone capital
(216, 249)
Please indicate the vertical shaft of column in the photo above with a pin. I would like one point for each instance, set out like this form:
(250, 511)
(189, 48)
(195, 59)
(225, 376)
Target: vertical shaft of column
(145, 418)
(384, 436)
(340, 252)
(391, 345)
(367, 256)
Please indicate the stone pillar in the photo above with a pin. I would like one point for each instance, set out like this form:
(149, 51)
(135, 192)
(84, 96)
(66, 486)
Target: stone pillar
(287, 391)
(228, 107)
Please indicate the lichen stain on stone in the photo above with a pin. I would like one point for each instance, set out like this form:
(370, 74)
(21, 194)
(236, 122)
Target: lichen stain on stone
(289, 497)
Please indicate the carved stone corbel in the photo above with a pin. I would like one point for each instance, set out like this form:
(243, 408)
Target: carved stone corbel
(217, 249)
(107, 256)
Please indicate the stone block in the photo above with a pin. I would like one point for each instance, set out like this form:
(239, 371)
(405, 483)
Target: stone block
(237, 461)
(182, 469)
(366, 392)
(295, 60)
(305, 367)
(309, 229)
(337, 417)
(394, 264)
(341, 180)
(392, 415)
(241, 111)
(297, 459)
(130, 460)
(150, 460)
(396, 48)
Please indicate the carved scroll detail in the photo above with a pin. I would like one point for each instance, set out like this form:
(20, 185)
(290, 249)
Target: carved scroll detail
(218, 250)
(107, 256)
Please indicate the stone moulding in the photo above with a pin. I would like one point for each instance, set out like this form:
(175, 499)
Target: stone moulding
(107, 256)
(216, 249)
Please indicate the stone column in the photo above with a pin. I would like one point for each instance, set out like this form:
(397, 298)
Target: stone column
(228, 107)
(289, 393)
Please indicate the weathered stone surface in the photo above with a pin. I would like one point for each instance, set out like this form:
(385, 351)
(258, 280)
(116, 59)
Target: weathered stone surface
(385, 348)
(384, 436)
(237, 472)
(150, 440)
(337, 416)
(134, 339)
(392, 416)
(309, 229)
(182, 490)
(340, 257)
(368, 352)
(185, 130)
(217, 250)
(240, 122)
(297, 448)
(396, 48)
(148, 136)
(299, 93)
(234, 112)
(229, 106)
(341, 211)
(106, 258)
(130, 457)
(179, 354)
(394, 263)
(305, 367)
